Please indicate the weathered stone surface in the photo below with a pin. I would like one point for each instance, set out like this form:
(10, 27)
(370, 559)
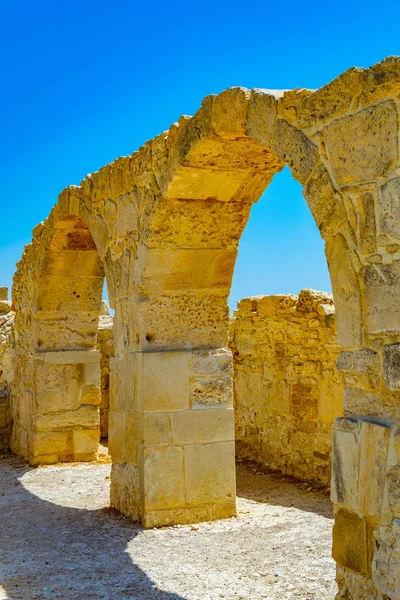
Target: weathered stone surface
(381, 293)
(363, 147)
(165, 381)
(389, 208)
(190, 191)
(287, 392)
(346, 291)
(161, 490)
(345, 468)
(391, 366)
(295, 149)
(360, 361)
(374, 441)
(351, 546)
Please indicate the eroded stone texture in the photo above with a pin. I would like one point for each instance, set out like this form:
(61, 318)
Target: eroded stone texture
(105, 345)
(287, 390)
(192, 189)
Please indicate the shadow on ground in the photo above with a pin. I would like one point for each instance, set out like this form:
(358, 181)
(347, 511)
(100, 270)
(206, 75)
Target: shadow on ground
(260, 484)
(65, 552)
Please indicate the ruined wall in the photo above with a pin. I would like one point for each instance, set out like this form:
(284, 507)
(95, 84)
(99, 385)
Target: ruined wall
(105, 345)
(6, 341)
(166, 224)
(287, 391)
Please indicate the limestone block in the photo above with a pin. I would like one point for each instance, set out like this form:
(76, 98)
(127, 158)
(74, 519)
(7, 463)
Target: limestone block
(85, 443)
(391, 366)
(76, 294)
(70, 357)
(157, 429)
(381, 293)
(229, 112)
(195, 222)
(351, 547)
(293, 147)
(194, 427)
(345, 468)
(57, 387)
(3, 293)
(361, 402)
(367, 223)
(202, 184)
(125, 383)
(261, 115)
(178, 320)
(331, 100)
(165, 381)
(363, 147)
(374, 441)
(210, 361)
(92, 374)
(346, 291)
(90, 394)
(210, 473)
(321, 197)
(162, 491)
(243, 154)
(69, 263)
(330, 402)
(49, 443)
(127, 215)
(210, 392)
(83, 417)
(386, 564)
(389, 208)
(125, 489)
(168, 269)
(359, 361)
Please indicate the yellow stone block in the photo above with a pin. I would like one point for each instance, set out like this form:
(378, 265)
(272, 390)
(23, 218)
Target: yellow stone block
(165, 381)
(163, 476)
(205, 183)
(201, 426)
(210, 473)
(167, 269)
(85, 443)
(156, 429)
(49, 443)
(351, 544)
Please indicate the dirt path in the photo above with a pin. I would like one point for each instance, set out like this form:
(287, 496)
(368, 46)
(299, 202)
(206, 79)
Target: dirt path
(59, 542)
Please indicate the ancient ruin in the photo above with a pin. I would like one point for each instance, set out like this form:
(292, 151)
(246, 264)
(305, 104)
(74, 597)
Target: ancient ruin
(287, 391)
(163, 227)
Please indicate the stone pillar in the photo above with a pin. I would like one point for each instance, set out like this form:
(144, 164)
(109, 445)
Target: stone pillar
(65, 423)
(171, 415)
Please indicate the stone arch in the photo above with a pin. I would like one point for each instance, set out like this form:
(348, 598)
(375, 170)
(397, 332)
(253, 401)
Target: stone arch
(167, 221)
(57, 294)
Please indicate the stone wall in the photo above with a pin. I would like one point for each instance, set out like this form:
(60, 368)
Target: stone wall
(163, 225)
(105, 345)
(6, 339)
(287, 391)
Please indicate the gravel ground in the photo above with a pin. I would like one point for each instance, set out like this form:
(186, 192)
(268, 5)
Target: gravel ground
(59, 541)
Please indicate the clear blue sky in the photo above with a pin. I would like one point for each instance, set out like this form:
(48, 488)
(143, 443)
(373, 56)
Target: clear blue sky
(84, 82)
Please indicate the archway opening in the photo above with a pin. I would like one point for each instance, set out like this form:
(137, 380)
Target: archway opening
(281, 249)
(61, 413)
(287, 391)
